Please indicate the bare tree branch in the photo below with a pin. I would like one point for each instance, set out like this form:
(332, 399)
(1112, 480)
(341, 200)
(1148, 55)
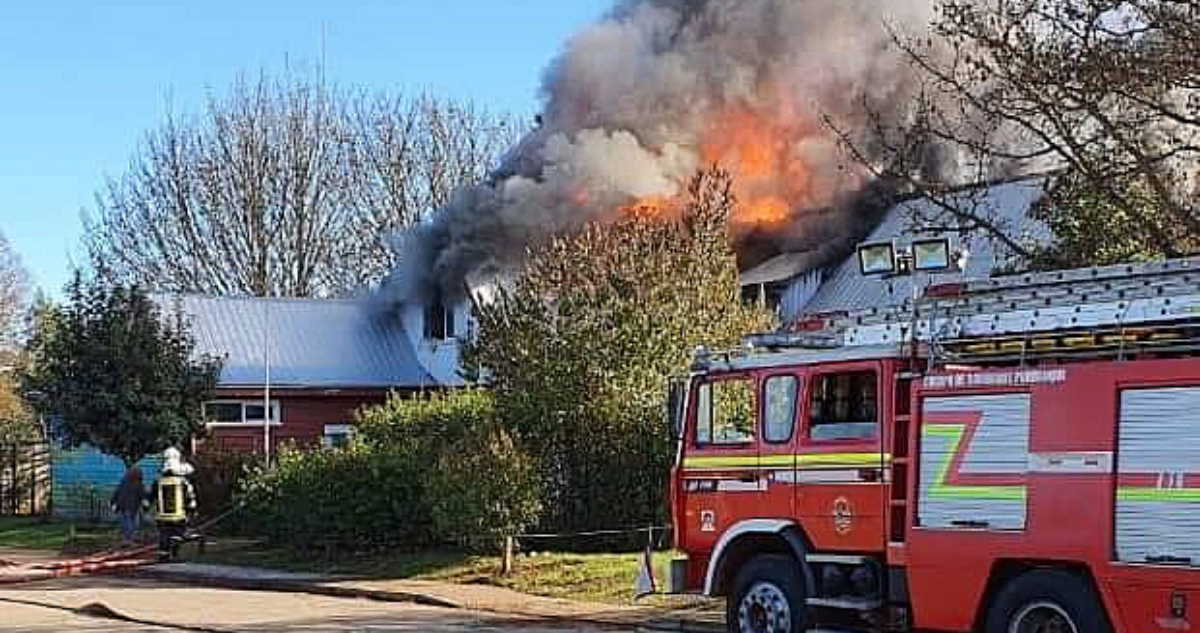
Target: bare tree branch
(285, 186)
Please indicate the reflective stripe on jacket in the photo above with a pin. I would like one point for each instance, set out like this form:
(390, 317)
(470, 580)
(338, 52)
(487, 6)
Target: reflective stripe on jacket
(174, 498)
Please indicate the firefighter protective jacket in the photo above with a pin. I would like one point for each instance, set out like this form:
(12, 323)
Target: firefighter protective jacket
(174, 498)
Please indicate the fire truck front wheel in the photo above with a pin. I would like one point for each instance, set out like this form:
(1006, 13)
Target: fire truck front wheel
(767, 597)
(1047, 601)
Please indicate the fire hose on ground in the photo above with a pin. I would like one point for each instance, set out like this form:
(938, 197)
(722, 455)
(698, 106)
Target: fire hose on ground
(105, 562)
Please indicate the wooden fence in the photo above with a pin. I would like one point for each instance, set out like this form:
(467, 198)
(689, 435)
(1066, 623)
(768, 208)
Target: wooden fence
(25, 481)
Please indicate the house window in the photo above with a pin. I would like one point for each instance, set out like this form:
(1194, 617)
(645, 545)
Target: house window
(237, 412)
(337, 436)
(439, 321)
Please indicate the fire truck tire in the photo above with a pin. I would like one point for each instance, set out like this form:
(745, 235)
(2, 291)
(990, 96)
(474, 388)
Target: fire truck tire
(1047, 600)
(767, 597)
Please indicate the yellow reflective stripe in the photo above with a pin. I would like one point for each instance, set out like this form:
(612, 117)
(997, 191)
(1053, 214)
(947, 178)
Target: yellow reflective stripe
(821, 460)
(1165, 495)
(170, 500)
(720, 462)
(843, 459)
(939, 489)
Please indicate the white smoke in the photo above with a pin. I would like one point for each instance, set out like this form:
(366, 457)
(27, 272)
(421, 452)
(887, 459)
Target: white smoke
(639, 100)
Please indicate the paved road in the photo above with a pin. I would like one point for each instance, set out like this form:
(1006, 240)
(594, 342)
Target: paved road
(54, 606)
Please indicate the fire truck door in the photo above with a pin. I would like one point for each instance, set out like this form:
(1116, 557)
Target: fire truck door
(721, 477)
(780, 393)
(1157, 517)
(840, 459)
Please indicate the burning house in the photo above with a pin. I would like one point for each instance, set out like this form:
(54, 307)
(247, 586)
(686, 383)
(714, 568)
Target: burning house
(639, 101)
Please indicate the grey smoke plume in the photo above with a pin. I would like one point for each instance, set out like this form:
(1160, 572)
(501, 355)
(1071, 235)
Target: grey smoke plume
(639, 100)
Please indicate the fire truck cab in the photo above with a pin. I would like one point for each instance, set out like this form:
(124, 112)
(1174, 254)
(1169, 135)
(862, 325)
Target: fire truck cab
(954, 479)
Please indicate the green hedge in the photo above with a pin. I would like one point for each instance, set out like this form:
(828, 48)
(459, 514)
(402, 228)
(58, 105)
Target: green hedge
(425, 470)
(359, 497)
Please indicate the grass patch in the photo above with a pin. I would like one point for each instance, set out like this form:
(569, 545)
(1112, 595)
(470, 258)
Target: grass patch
(46, 534)
(606, 578)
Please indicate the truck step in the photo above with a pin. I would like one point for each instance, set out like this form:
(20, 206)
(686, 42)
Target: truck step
(846, 604)
(838, 559)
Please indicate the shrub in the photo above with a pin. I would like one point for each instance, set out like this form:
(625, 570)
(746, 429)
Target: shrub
(360, 497)
(422, 470)
(220, 472)
(425, 422)
(481, 486)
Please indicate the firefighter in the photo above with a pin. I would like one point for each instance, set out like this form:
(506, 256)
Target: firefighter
(174, 500)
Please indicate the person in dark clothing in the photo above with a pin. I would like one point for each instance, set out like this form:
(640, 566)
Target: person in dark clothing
(127, 501)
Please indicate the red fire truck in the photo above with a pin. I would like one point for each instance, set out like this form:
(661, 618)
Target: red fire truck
(1015, 455)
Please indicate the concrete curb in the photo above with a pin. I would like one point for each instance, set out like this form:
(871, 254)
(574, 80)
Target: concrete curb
(295, 586)
(669, 624)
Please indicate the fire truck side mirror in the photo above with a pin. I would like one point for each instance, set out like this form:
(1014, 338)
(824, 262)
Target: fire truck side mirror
(676, 396)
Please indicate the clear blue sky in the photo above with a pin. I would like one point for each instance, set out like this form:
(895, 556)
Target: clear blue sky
(81, 81)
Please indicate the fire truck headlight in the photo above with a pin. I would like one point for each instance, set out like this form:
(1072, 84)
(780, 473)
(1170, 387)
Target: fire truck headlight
(931, 255)
(877, 259)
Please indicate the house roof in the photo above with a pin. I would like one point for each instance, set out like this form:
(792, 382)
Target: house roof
(780, 268)
(312, 343)
(847, 289)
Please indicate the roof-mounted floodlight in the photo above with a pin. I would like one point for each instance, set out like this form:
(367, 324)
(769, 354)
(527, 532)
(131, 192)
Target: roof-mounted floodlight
(931, 255)
(877, 259)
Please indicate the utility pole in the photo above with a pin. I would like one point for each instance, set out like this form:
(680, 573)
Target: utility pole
(267, 381)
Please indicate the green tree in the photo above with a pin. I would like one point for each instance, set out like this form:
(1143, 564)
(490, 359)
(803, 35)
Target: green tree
(123, 376)
(580, 348)
(1089, 227)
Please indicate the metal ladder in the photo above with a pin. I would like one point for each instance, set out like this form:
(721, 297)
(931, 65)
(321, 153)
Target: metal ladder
(1101, 310)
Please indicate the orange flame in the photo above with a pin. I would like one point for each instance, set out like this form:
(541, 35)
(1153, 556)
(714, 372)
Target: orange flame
(759, 150)
(650, 207)
(762, 148)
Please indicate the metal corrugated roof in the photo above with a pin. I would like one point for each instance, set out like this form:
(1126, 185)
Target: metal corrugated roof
(780, 268)
(313, 343)
(846, 288)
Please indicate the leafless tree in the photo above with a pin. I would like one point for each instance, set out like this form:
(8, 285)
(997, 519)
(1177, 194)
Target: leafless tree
(286, 187)
(415, 154)
(14, 289)
(1103, 93)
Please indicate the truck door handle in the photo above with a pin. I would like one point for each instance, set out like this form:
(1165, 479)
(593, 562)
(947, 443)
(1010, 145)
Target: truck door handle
(979, 525)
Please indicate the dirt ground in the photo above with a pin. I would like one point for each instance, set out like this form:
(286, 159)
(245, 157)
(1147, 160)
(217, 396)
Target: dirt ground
(64, 605)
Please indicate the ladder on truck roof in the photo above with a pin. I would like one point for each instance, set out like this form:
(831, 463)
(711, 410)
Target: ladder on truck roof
(1086, 311)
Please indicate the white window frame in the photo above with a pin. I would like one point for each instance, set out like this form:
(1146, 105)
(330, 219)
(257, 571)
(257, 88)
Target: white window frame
(274, 414)
(449, 326)
(332, 430)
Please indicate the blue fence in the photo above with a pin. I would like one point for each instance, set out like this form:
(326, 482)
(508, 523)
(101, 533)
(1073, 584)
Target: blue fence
(84, 480)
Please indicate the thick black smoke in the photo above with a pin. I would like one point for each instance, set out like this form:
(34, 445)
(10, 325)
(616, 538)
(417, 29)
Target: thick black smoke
(641, 99)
